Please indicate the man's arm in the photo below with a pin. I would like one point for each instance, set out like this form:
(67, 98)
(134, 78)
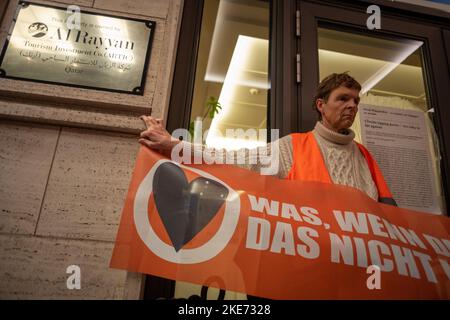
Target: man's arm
(273, 159)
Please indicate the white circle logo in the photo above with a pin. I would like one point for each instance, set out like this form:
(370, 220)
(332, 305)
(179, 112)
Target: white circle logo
(184, 256)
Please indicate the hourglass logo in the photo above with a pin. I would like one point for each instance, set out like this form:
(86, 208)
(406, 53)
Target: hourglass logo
(185, 208)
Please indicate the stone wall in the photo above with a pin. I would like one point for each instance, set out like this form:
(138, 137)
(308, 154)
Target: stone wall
(66, 159)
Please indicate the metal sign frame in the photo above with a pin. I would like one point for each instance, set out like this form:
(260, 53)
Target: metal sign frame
(138, 90)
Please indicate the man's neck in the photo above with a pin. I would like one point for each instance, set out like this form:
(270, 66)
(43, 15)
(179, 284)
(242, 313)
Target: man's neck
(330, 127)
(334, 136)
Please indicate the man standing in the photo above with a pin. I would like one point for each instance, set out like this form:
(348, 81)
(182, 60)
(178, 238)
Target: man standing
(326, 154)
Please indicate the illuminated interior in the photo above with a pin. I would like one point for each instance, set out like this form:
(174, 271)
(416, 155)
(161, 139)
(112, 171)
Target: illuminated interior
(233, 63)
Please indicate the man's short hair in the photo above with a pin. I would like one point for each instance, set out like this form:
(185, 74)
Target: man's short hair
(331, 82)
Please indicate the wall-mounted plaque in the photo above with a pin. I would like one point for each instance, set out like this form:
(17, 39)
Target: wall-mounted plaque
(103, 52)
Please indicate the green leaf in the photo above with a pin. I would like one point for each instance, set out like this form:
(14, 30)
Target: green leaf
(191, 130)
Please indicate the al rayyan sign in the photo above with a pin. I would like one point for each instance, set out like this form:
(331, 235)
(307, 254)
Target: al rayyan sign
(102, 52)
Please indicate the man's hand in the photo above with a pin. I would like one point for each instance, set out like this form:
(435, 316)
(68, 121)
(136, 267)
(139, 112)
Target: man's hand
(156, 137)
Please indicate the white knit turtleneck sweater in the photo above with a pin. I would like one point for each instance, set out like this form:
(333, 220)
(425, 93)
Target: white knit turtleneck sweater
(345, 163)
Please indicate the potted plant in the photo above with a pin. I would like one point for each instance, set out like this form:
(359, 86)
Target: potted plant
(213, 107)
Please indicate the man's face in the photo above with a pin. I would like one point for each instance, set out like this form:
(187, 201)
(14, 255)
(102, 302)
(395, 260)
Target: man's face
(339, 111)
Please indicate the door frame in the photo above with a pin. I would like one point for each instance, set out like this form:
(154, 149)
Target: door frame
(3, 7)
(282, 96)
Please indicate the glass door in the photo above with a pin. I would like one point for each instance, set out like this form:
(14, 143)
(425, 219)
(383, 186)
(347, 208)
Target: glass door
(221, 92)
(236, 57)
(402, 71)
(232, 74)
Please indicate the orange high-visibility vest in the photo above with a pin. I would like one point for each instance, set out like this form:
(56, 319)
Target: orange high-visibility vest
(309, 165)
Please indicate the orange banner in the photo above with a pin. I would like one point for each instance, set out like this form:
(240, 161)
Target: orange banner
(230, 228)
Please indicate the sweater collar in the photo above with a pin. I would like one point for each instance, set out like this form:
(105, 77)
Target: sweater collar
(332, 136)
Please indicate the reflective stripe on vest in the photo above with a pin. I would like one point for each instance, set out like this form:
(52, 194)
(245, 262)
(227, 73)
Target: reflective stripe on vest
(309, 165)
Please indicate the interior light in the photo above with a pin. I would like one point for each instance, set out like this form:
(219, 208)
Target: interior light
(389, 66)
(235, 77)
